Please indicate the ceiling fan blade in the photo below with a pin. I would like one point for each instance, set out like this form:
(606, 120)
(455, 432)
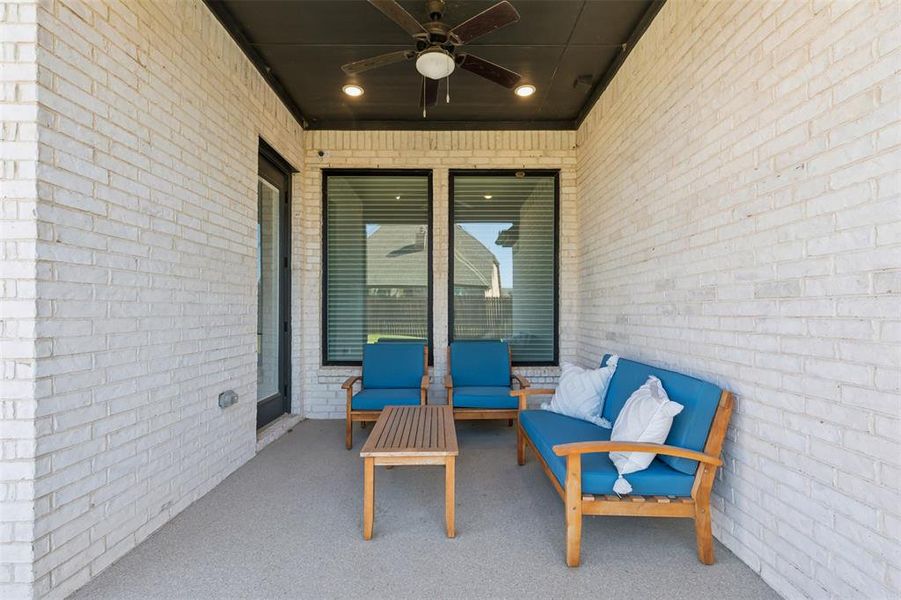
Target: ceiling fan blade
(490, 71)
(358, 66)
(430, 93)
(399, 15)
(491, 19)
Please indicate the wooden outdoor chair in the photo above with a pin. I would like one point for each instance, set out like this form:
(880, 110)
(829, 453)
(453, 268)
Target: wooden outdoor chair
(479, 380)
(393, 374)
(678, 483)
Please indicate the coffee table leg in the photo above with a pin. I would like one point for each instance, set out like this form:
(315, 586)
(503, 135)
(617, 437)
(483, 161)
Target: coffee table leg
(368, 497)
(449, 495)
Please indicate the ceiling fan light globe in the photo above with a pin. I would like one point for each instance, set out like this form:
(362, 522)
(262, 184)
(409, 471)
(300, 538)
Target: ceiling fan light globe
(435, 64)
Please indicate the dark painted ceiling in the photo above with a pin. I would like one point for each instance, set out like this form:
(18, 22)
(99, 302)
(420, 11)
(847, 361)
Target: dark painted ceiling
(300, 45)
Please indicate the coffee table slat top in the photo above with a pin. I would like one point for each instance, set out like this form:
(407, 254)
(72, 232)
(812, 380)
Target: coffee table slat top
(412, 431)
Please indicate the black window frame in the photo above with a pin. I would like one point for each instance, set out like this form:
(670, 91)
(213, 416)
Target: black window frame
(326, 173)
(555, 173)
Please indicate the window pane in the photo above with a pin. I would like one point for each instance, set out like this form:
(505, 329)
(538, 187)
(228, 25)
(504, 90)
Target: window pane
(267, 290)
(504, 262)
(377, 253)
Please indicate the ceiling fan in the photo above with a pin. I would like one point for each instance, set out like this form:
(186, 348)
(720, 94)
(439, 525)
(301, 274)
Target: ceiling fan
(437, 50)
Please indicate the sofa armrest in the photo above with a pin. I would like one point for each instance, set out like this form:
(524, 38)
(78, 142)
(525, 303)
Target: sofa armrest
(532, 392)
(448, 382)
(523, 381)
(524, 393)
(350, 381)
(589, 447)
(424, 382)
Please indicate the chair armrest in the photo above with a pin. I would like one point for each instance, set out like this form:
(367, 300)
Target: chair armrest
(448, 381)
(524, 393)
(523, 381)
(589, 447)
(350, 381)
(424, 383)
(532, 392)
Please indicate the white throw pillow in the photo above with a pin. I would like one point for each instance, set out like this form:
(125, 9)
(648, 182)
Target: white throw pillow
(580, 392)
(647, 417)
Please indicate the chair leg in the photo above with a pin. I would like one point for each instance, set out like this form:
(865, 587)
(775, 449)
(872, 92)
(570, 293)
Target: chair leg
(509, 422)
(520, 445)
(573, 509)
(704, 532)
(362, 424)
(349, 434)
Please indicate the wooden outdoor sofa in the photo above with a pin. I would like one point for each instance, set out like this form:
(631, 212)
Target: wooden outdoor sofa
(678, 483)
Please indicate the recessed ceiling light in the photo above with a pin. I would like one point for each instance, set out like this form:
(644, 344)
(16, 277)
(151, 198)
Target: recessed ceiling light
(488, 196)
(525, 90)
(352, 90)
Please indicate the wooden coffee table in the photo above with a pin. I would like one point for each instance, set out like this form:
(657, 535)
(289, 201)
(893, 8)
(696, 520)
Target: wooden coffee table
(410, 435)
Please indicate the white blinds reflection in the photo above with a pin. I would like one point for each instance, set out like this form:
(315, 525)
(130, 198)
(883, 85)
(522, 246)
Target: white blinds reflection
(504, 262)
(377, 252)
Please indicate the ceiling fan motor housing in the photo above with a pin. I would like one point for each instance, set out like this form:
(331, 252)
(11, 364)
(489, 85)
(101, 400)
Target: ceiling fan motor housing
(436, 9)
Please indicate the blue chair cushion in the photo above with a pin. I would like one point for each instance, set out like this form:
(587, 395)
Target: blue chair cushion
(484, 397)
(393, 365)
(547, 429)
(379, 398)
(690, 427)
(480, 363)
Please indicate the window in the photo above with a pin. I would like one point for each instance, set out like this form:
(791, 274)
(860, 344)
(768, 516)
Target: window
(503, 268)
(378, 254)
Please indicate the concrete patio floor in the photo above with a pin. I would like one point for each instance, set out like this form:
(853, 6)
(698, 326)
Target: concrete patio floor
(288, 525)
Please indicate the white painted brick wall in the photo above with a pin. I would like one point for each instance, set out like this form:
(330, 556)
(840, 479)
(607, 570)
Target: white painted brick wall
(738, 191)
(18, 305)
(147, 118)
(731, 210)
(320, 387)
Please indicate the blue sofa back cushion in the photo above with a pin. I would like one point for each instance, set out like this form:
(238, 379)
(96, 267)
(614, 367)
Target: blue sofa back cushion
(480, 363)
(690, 427)
(393, 365)
(547, 429)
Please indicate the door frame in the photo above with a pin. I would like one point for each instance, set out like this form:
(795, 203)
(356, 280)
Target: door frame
(278, 172)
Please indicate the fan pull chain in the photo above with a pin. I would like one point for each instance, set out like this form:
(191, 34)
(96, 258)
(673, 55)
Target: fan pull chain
(423, 98)
(447, 98)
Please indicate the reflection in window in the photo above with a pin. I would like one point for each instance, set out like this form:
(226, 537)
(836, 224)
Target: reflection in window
(267, 289)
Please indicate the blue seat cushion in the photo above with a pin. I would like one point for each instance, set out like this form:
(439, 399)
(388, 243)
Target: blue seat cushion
(700, 400)
(547, 429)
(393, 365)
(484, 397)
(480, 363)
(379, 398)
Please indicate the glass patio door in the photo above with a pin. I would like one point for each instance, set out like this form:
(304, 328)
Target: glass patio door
(272, 292)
